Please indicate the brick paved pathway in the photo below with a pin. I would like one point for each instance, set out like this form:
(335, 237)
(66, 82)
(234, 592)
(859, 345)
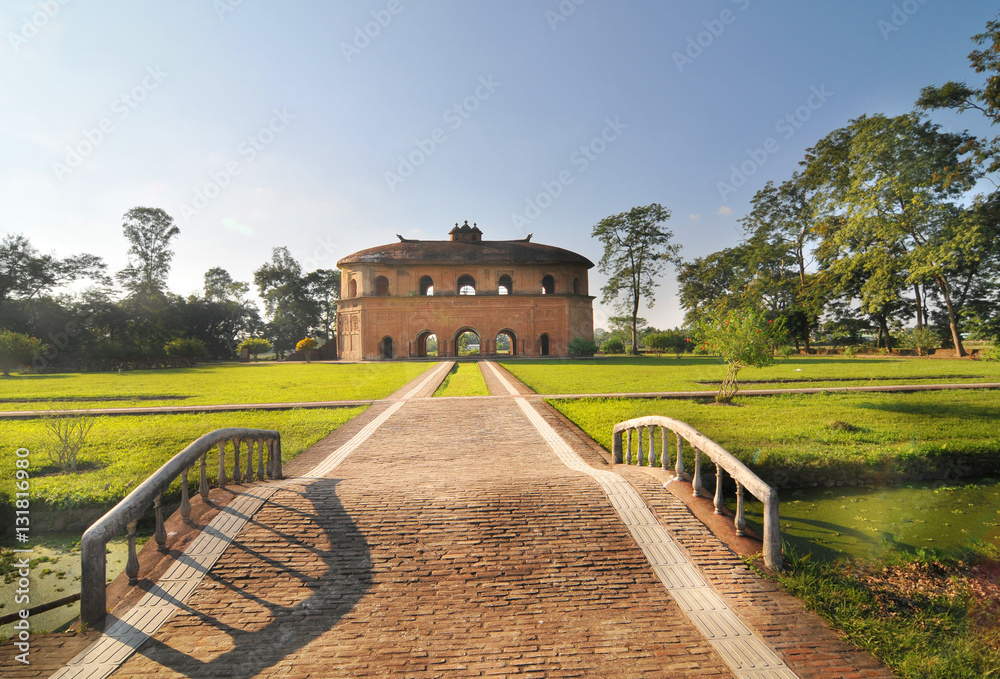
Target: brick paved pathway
(454, 542)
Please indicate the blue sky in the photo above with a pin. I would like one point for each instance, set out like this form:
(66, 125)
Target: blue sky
(329, 127)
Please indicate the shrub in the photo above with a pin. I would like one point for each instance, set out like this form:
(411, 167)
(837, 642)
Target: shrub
(185, 347)
(990, 353)
(307, 346)
(850, 351)
(921, 339)
(742, 337)
(613, 346)
(68, 435)
(582, 347)
(256, 346)
(16, 350)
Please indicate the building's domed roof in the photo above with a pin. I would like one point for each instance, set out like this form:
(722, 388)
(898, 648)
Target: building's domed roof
(465, 248)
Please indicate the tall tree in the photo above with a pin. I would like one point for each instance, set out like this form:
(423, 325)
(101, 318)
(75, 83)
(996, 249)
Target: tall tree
(292, 312)
(780, 230)
(894, 184)
(637, 247)
(26, 274)
(961, 97)
(323, 286)
(148, 231)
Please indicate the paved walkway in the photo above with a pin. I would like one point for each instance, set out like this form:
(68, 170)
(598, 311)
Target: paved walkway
(231, 407)
(479, 537)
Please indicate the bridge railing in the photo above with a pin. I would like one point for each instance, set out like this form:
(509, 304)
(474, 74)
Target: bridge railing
(127, 513)
(725, 463)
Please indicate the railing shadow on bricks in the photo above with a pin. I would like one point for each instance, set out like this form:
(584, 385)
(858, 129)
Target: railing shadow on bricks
(724, 463)
(126, 514)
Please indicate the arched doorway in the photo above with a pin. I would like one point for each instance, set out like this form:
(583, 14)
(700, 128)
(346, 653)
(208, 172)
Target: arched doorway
(506, 343)
(543, 343)
(548, 285)
(427, 344)
(467, 343)
(505, 286)
(381, 286)
(386, 347)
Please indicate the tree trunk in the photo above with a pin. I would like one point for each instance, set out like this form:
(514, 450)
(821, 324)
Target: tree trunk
(952, 319)
(916, 294)
(635, 323)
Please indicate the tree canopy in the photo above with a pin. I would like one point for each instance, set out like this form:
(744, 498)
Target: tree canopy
(637, 248)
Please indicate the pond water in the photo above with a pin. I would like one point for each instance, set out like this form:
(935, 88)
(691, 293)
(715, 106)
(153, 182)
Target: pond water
(55, 573)
(867, 521)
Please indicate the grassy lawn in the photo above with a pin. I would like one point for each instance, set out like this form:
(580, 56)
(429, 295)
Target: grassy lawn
(122, 451)
(465, 379)
(208, 384)
(796, 440)
(926, 619)
(646, 373)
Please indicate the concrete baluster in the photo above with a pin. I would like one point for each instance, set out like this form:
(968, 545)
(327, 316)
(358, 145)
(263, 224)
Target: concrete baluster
(628, 446)
(720, 478)
(664, 453)
(185, 507)
(237, 475)
(639, 457)
(260, 459)
(679, 467)
(741, 519)
(160, 534)
(203, 484)
(652, 446)
(697, 489)
(132, 565)
(249, 475)
(276, 457)
(222, 465)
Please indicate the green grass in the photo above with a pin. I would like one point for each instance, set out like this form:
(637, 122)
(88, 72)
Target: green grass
(122, 451)
(798, 440)
(646, 373)
(464, 379)
(920, 618)
(208, 384)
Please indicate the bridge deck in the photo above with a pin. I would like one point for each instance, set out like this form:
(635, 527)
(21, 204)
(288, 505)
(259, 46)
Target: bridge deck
(461, 539)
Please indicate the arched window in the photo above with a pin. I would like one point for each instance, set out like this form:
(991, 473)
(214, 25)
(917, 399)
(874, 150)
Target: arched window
(576, 286)
(381, 286)
(505, 286)
(548, 285)
(386, 347)
(426, 286)
(352, 288)
(466, 285)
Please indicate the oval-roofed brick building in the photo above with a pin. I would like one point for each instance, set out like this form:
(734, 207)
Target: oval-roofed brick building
(518, 297)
